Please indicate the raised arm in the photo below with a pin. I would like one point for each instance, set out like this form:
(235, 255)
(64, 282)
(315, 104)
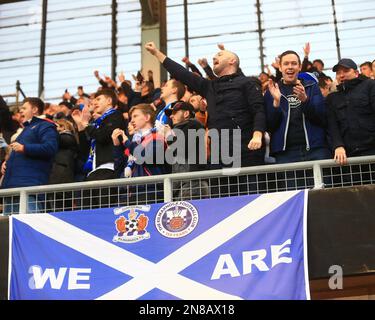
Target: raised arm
(178, 72)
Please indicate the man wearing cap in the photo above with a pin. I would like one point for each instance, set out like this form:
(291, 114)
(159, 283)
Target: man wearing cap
(66, 108)
(187, 134)
(351, 113)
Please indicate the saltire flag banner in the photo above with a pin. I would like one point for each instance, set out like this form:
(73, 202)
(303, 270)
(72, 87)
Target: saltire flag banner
(247, 247)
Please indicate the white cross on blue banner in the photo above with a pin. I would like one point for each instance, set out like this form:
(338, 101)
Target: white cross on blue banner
(248, 247)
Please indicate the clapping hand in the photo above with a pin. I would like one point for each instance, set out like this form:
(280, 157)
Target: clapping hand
(274, 89)
(115, 137)
(299, 91)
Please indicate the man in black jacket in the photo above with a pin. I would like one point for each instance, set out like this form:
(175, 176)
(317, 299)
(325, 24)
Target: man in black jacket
(189, 135)
(351, 113)
(188, 150)
(95, 138)
(235, 106)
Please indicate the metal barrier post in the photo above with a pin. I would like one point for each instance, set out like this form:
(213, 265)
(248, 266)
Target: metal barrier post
(318, 180)
(17, 93)
(167, 189)
(23, 202)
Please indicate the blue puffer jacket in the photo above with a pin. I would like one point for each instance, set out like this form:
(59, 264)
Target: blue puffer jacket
(31, 168)
(314, 116)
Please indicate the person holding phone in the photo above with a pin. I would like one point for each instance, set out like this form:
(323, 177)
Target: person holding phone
(296, 115)
(147, 145)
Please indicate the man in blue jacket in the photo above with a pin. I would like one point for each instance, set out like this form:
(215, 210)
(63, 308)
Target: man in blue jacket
(32, 155)
(296, 115)
(33, 151)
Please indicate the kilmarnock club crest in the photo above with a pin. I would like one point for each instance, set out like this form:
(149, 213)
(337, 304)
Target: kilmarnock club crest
(132, 228)
(176, 219)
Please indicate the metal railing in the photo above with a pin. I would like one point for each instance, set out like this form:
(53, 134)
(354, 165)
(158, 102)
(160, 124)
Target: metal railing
(188, 186)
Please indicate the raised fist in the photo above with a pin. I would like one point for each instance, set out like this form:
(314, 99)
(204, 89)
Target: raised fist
(221, 46)
(185, 60)
(203, 62)
(150, 47)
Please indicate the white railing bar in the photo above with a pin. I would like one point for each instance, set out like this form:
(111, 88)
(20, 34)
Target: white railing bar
(23, 201)
(186, 175)
(318, 178)
(167, 189)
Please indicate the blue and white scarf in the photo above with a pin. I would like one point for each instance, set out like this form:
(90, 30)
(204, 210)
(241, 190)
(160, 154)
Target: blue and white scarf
(137, 138)
(162, 118)
(88, 167)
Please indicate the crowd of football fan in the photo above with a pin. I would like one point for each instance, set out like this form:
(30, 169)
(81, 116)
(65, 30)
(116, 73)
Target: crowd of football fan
(296, 114)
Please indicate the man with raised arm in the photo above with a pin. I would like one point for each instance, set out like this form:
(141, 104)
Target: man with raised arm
(234, 102)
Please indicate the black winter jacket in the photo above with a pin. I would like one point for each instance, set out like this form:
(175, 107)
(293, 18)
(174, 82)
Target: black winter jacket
(189, 161)
(63, 167)
(351, 116)
(103, 137)
(234, 101)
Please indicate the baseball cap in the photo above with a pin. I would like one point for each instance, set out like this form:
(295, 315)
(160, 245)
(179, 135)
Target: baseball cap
(346, 63)
(181, 105)
(66, 104)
